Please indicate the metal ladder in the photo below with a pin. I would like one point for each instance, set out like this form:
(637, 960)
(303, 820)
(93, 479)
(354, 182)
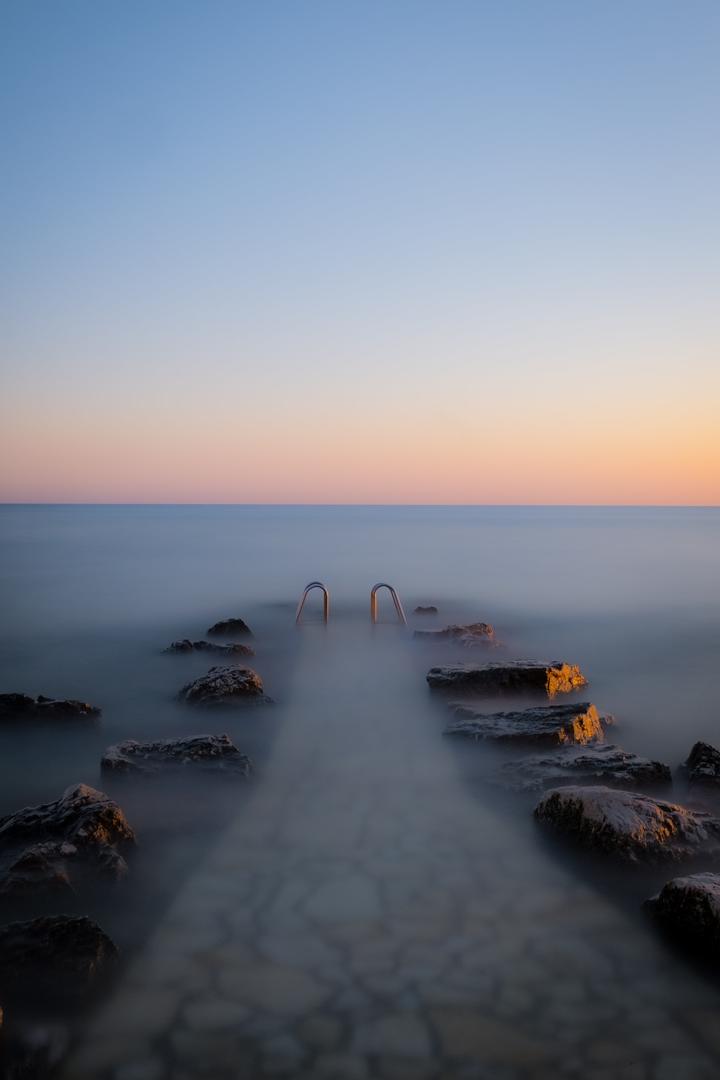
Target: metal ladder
(326, 600)
(395, 600)
(373, 601)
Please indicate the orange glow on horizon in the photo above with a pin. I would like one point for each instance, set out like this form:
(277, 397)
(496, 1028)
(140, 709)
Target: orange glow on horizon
(541, 460)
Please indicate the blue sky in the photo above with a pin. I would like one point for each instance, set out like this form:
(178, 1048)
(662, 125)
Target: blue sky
(441, 219)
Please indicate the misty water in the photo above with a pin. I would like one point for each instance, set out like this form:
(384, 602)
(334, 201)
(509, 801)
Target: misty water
(367, 855)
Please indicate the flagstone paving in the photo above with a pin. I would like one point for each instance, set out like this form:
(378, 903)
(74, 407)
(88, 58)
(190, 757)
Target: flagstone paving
(365, 916)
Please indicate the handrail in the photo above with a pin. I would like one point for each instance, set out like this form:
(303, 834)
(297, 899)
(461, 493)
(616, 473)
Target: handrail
(303, 598)
(395, 600)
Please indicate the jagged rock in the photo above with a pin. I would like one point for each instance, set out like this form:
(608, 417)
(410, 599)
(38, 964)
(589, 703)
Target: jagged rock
(24, 707)
(514, 676)
(187, 646)
(703, 765)
(627, 823)
(53, 845)
(231, 628)
(555, 724)
(605, 764)
(479, 633)
(689, 907)
(427, 609)
(59, 956)
(224, 686)
(206, 752)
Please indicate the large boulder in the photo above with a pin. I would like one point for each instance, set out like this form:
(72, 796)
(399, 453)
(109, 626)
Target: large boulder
(188, 646)
(514, 676)
(24, 707)
(603, 764)
(689, 907)
(230, 628)
(479, 633)
(59, 956)
(627, 823)
(224, 686)
(55, 845)
(199, 752)
(703, 766)
(550, 724)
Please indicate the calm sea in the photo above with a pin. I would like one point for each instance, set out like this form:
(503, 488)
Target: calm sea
(92, 594)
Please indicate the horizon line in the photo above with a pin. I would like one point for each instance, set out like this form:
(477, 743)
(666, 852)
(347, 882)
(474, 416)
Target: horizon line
(379, 505)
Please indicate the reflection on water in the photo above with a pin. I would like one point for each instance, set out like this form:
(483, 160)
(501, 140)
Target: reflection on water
(366, 904)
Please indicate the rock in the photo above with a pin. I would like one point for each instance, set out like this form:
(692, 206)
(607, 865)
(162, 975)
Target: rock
(24, 707)
(606, 764)
(187, 646)
(479, 633)
(231, 627)
(627, 823)
(703, 765)
(224, 686)
(55, 956)
(206, 752)
(428, 609)
(555, 724)
(514, 676)
(690, 908)
(52, 845)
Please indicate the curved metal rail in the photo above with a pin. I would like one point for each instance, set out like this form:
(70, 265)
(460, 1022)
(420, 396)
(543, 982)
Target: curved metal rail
(303, 598)
(395, 600)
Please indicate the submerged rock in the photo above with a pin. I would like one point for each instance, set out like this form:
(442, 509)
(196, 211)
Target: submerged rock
(230, 627)
(703, 765)
(689, 907)
(479, 633)
(514, 676)
(53, 845)
(427, 609)
(627, 823)
(58, 956)
(605, 764)
(32, 1050)
(24, 707)
(555, 724)
(224, 686)
(215, 752)
(188, 646)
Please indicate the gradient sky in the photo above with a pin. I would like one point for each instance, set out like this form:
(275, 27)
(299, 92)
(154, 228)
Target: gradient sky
(387, 251)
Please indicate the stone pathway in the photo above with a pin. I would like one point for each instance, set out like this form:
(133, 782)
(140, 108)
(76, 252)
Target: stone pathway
(366, 916)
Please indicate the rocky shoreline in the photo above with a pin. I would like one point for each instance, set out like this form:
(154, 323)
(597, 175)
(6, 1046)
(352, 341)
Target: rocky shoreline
(593, 795)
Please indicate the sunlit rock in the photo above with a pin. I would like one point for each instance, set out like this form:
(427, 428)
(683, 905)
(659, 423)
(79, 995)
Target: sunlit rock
(199, 752)
(24, 707)
(513, 676)
(224, 686)
(231, 628)
(59, 957)
(703, 766)
(53, 846)
(604, 764)
(553, 724)
(689, 907)
(627, 823)
(188, 646)
(479, 633)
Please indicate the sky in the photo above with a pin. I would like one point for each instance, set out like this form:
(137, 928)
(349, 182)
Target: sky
(390, 251)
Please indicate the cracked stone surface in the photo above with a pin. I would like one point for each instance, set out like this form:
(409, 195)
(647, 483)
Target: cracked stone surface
(366, 916)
